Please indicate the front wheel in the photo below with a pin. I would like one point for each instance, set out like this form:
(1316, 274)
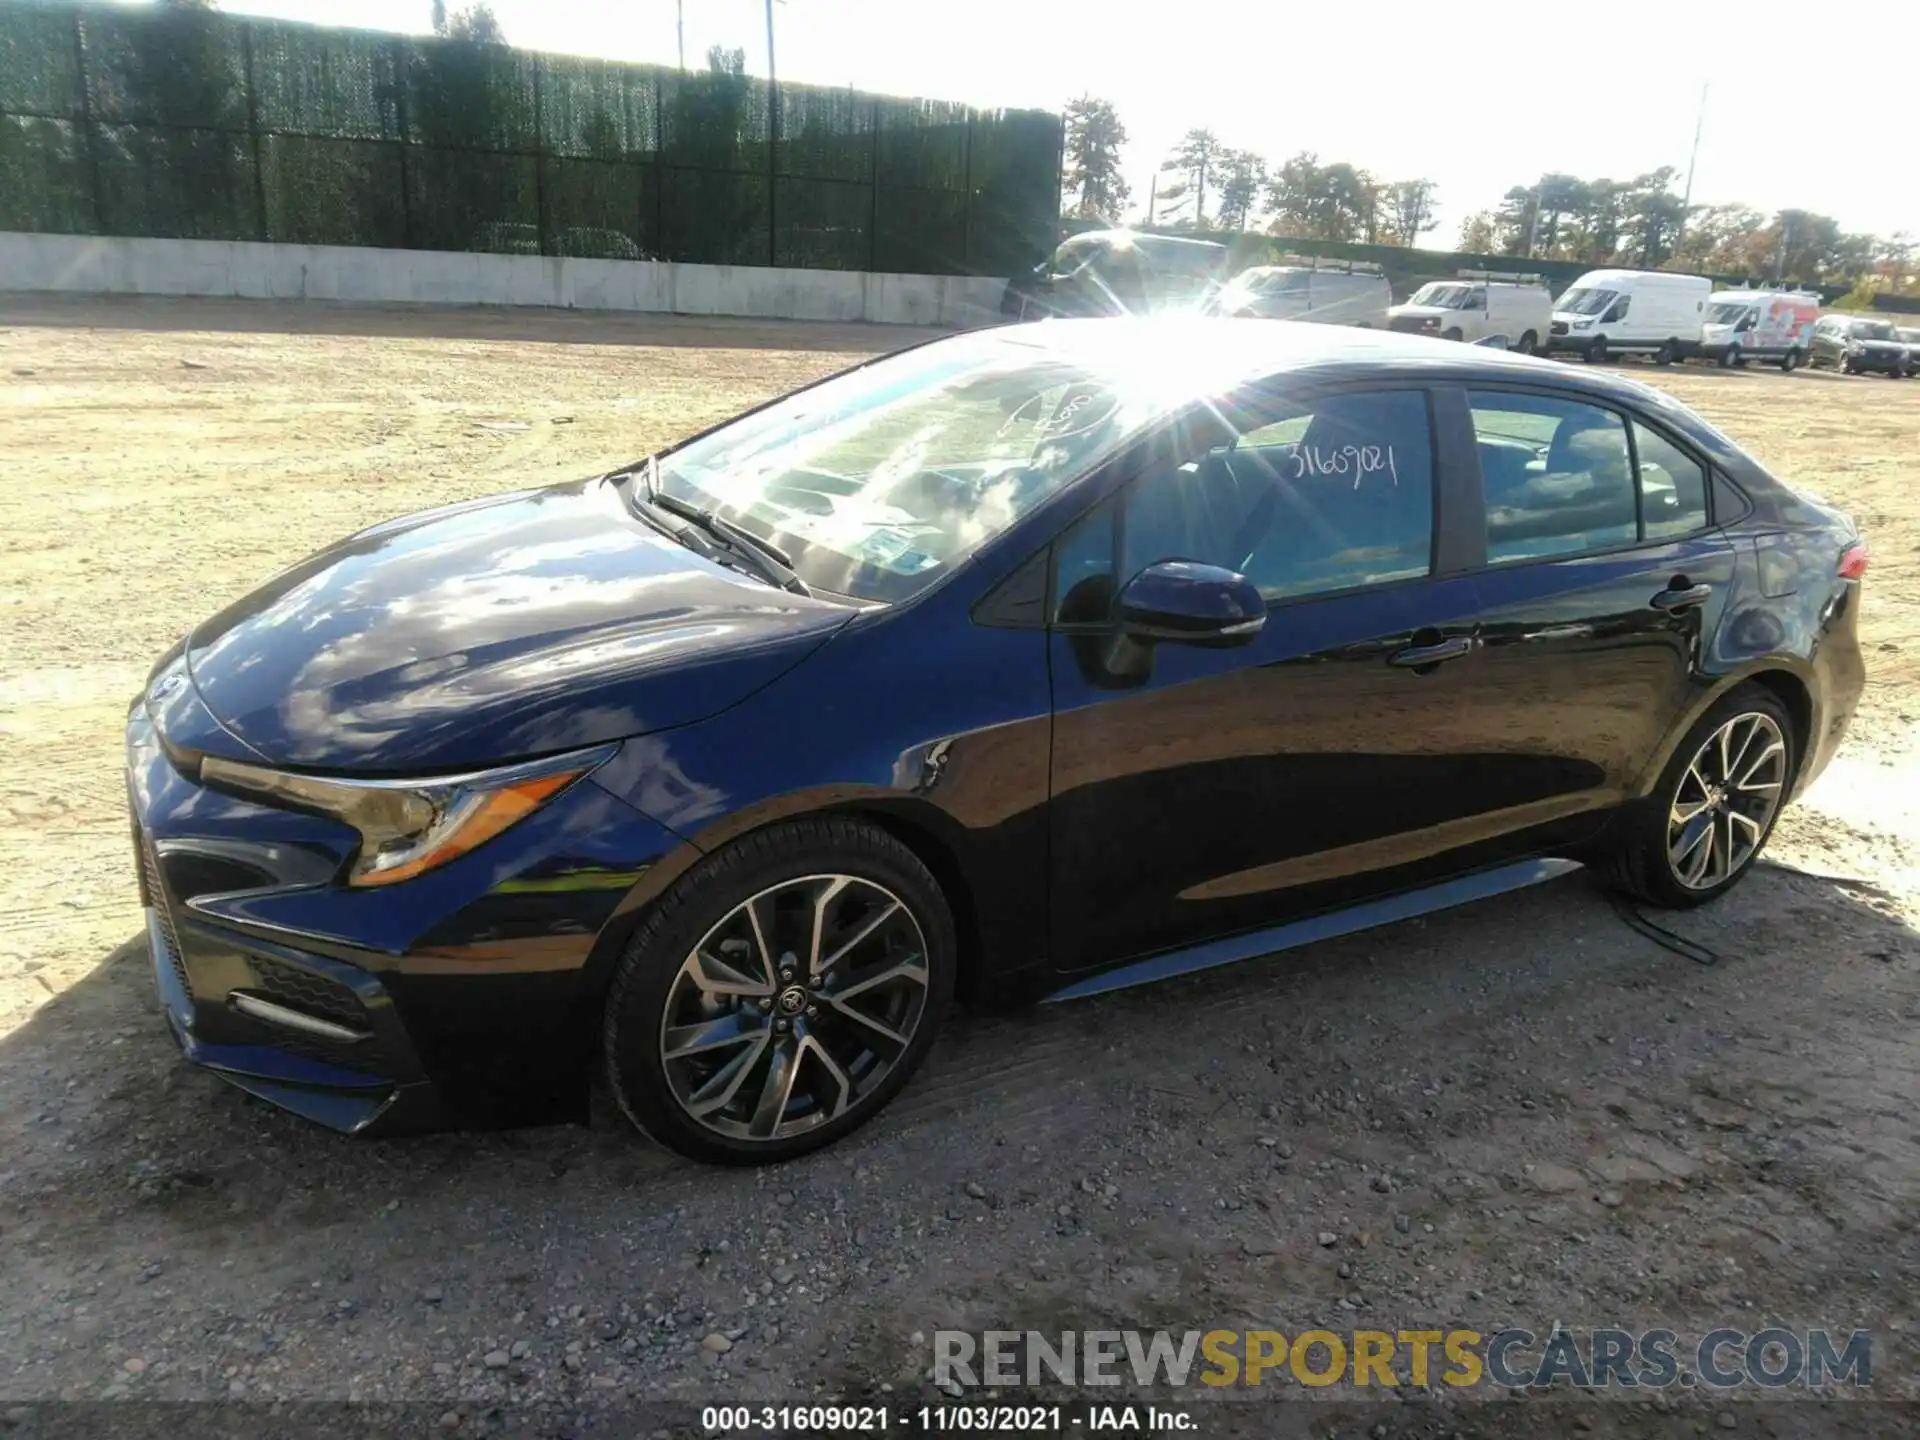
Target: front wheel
(1709, 817)
(781, 994)
(1596, 351)
(1453, 334)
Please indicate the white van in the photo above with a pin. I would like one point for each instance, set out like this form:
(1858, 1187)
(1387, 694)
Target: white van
(1745, 325)
(1622, 312)
(1329, 293)
(1479, 305)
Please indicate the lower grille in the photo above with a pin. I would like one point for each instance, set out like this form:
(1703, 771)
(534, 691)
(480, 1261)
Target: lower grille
(1559, 327)
(153, 892)
(308, 993)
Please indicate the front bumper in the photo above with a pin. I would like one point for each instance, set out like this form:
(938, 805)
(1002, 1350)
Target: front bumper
(468, 996)
(1879, 362)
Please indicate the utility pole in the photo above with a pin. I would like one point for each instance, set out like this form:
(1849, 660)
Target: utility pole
(1533, 218)
(680, 30)
(1693, 162)
(773, 144)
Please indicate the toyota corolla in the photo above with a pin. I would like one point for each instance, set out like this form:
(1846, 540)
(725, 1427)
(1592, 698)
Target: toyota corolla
(1030, 662)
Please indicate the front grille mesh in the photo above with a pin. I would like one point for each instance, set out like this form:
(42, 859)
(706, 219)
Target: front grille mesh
(153, 890)
(308, 993)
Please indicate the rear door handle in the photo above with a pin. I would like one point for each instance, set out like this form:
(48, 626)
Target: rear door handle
(1416, 657)
(1672, 601)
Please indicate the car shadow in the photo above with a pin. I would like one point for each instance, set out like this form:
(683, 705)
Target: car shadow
(453, 322)
(1009, 1069)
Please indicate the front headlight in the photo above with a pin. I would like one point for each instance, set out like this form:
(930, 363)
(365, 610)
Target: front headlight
(1586, 324)
(408, 827)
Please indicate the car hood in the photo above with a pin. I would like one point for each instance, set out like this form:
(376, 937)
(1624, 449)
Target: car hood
(1420, 312)
(492, 631)
(1716, 330)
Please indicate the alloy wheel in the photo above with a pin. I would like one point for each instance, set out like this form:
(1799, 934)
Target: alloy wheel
(1726, 800)
(795, 1007)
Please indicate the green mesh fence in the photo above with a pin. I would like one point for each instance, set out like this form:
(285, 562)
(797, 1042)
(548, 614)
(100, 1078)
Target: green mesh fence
(168, 121)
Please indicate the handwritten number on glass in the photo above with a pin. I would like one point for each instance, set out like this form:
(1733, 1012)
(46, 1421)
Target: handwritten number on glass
(1358, 461)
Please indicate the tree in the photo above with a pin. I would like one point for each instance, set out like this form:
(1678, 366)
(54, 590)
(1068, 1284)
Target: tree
(1094, 138)
(1479, 235)
(476, 23)
(1410, 210)
(1652, 217)
(1719, 238)
(1243, 175)
(1196, 154)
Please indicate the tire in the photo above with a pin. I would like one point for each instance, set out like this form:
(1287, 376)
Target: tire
(1844, 365)
(1529, 343)
(1596, 351)
(1739, 359)
(1665, 354)
(1644, 863)
(1453, 334)
(731, 922)
(1729, 356)
(1789, 362)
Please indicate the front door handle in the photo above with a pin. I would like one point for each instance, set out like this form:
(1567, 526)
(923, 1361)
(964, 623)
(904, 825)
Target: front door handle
(1417, 657)
(1673, 601)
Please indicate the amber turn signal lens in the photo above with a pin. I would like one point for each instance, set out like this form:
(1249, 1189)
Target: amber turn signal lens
(471, 821)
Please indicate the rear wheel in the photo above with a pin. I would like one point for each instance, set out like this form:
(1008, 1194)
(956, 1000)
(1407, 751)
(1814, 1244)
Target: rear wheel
(1715, 806)
(1665, 354)
(1529, 342)
(1790, 362)
(781, 994)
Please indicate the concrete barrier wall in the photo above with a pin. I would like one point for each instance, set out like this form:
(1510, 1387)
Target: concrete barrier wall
(102, 265)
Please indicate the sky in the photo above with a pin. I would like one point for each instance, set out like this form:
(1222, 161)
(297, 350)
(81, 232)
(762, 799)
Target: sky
(1477, 105)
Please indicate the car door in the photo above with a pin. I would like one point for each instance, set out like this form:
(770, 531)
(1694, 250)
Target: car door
(1208, 791)
(1602, 574)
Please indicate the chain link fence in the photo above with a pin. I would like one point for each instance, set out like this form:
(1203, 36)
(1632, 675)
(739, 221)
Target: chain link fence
(193, 124)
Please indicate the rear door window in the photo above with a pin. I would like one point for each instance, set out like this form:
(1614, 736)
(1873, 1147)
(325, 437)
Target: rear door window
(1563, 477)
(1557, 476)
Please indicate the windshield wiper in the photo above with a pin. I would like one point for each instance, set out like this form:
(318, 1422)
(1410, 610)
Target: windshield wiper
(769, 559)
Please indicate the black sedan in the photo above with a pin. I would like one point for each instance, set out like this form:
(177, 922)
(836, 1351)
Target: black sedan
(1858, 347)
(1030, 662)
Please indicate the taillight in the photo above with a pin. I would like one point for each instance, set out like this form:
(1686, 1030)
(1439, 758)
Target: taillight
(1853, 561)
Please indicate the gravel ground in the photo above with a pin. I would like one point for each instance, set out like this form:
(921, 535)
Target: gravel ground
(1518, 1112)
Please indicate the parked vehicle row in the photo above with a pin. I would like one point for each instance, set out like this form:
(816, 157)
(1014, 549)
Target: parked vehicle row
(1603, 315)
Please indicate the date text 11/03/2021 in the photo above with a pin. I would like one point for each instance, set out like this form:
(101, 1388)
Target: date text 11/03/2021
(964, 1418)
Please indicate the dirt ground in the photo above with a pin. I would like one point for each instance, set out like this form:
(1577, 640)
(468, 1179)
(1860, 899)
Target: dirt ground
(1517, 1112)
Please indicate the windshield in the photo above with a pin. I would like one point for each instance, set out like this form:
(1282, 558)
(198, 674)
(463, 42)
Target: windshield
(1726, 313)
(1074, 254)
(1444, 297)
(1274, 282)
(876, 481)
(1584, 302)
(1908, 337)
(1872, 330)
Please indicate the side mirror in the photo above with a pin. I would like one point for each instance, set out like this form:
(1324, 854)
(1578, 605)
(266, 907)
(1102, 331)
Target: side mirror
(1184, 602)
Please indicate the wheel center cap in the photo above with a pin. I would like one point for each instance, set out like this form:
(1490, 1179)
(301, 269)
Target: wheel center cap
(792, 1000)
